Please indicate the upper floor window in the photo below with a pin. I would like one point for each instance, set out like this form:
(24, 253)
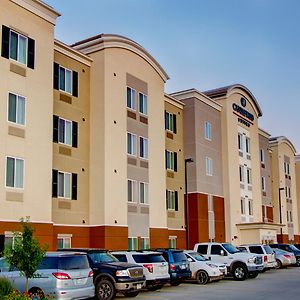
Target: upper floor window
(286, 168)
(243, 206)
(131, 190)
(263, 184)
(131, 98)
(143, 193)
(65, 80)
(241, 169)
(65, 131)
(208, 134)
(171, 200)
(170, 122)
(208, 166)
(143, 104)
(143, 147)
(171, 160)
(247, 145)
(14, 172)
(240, 142)
(249, 176)
(250, 207)
(64, 185)
(16, 109)
(131, 144)
(262, 155)
(18, 47)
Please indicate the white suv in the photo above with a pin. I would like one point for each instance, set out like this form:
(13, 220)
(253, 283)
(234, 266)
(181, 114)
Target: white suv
(156, 269)
(265, 250)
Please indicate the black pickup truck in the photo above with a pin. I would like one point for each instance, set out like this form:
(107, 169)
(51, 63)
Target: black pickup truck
(112, 276)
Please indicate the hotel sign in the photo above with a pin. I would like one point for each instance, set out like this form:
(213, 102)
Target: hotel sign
(244, 116)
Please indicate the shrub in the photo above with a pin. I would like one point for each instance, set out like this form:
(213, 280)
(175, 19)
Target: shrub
(5, 287)
(15, 295)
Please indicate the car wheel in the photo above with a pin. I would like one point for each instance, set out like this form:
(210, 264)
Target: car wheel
(155, 287)
(298, 262)
(131, 294)
(105, 290)
(239, 272)
(36, 294)
(253, 275)
(202, 277)
(278, 264)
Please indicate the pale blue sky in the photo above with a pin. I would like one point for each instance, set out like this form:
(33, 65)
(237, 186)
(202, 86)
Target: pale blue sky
(206, 44)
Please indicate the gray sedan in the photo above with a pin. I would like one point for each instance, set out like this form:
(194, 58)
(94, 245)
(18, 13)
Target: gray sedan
(284, 258)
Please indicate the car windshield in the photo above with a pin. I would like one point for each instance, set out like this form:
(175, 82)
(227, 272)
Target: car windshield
(102, 257)
(268, 249)
(230, 248)
(293, 248)
(148, 258)
(198, 256)
(179, 256)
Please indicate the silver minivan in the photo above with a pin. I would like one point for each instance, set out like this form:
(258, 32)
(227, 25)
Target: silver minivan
(60, 275)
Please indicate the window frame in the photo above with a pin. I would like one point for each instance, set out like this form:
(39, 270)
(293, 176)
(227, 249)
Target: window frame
(247, 145)
(23, 173)
(65, 132)
(208, 166)
(262, 155)
(263, 183)
(169, 200)
(169, 122)
(171, 164)
(58, 185)
(64, 238)
(243, 206)
(135, 148)
(208, 131)
(17, 105)
(133, 193)
(242, 173)
(141, 143)
(240, 142)
(65, 71)
(144, 97)
(146, 192)
(131, 102)
(249, 176)
(142, 240)
(18, 43)
(133, 241)
(172, 242)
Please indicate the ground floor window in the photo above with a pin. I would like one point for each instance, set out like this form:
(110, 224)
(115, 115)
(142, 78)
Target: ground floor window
(132, 243)
(172, 242)
(64, 241)
(145, 243)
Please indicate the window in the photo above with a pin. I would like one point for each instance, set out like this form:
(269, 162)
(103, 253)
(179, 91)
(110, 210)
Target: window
(262, 155)
(250, 206)
(143, 193)
(14, 172)
(170, 200)
(291, 216)
(247, 145)
(240, 142)
(208, 134)
(241, 168)
(145, 243)
(208, 166)
(287, 216)
(143, 104)
(131, 98)
(64, 241)
(216, 250)
(16, 109)
(131, 190)
(10, 238)
(172, 242)
(131, 144)
(65, 80)
(256, 249)
(17, 47)
(202, 249)
(286, 168)
(65, 132)
(143, 147)
(243, 210)
(249, 176)
(64, 185)
(263, 184)
(170, 122)
(132, 243)
(290, 195)
(171, 160)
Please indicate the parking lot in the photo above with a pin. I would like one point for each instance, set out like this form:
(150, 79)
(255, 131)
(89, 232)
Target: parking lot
(274, 284)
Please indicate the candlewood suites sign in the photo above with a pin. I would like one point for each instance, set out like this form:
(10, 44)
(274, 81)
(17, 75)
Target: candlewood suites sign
(244, 116)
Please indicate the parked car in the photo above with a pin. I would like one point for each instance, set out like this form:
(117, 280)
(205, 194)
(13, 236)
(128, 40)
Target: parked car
(284, 258)
(112, 276)
(60, 275)
(179, 266)
(289, 248)
(203, 270)
(265, 250)
(155, 267)
(239, 264)
(297, 246)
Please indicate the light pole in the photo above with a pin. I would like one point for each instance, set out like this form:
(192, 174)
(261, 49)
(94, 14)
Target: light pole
(280, 216)
(186, 162)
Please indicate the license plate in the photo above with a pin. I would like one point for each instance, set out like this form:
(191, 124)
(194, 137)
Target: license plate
(138, 286)
(80, 281)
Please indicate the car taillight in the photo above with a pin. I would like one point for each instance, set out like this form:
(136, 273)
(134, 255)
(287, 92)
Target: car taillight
(91, 274)
(172, 267)
(61, 276)
(149, 267)
(265, 258)
(287, 256)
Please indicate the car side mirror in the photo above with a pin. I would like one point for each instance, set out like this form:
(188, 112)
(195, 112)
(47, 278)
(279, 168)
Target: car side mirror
(222, 253)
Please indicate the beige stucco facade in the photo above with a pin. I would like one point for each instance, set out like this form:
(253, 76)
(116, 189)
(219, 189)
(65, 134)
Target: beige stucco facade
(297, 167)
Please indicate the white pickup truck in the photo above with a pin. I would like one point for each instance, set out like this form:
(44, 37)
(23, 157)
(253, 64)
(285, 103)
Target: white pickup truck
(240, 264)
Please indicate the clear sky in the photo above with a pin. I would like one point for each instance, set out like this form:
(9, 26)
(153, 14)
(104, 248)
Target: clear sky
(205, 44)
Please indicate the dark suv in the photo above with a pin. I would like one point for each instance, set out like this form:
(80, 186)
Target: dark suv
(289, 248)
(179, 266)
(112, 276)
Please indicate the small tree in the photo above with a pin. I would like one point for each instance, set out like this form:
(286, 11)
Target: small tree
(25, 254)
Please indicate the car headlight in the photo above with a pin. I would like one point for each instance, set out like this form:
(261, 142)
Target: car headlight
(122, 273)
(211, 265)
(251, 260)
